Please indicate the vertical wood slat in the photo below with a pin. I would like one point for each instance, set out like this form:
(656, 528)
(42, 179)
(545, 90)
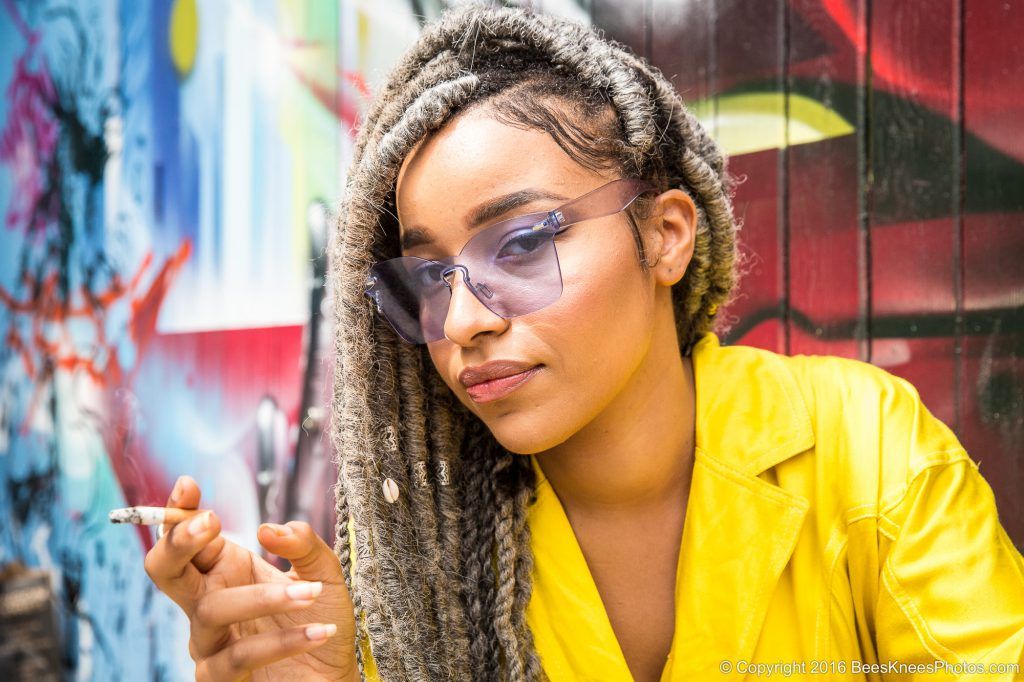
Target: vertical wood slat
(827, 259)
(749, 50)
(993, 253)
(861, 38)
(912, 110)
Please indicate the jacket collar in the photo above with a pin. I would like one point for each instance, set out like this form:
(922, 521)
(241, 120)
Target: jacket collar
(739, 533)
(740, 528)
(750, 411)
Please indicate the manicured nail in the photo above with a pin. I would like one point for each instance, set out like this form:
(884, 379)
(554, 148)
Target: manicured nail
(304, 590)
(199, 523)
(280, 530)
(176, 493)
(316, 632)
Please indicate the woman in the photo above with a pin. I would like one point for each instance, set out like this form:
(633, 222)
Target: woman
(549, 464)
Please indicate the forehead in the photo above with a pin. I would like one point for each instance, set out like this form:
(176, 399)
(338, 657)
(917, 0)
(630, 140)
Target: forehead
(475, 157)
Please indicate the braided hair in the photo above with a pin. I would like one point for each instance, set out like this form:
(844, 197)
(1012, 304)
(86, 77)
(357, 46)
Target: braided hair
(442, 576)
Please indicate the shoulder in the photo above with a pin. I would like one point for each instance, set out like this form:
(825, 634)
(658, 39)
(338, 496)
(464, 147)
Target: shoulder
(825, 425)
(871, 426)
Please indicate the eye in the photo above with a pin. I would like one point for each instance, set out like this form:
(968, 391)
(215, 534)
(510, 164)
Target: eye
(522, 243)
(429, 273)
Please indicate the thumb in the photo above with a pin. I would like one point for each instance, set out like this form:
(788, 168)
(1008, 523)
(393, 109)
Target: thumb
(309, 555)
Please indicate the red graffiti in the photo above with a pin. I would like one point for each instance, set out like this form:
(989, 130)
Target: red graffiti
(48, 346)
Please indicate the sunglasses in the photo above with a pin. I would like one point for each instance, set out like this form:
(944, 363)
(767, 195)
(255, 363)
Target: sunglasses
(510, 266)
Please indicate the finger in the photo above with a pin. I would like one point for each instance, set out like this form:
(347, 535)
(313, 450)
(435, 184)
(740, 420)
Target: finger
(208, 556)
(169, 562)
(256, 651)
(309, 555)
(217, 610)
(184, 495)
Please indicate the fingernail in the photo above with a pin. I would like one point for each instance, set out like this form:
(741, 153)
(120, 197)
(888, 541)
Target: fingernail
(176, 493)
(280, 530)
(199, 523)
(304, 590)
(315, 632)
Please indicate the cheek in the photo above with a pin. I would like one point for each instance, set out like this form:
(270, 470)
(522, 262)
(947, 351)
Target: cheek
(602, 323)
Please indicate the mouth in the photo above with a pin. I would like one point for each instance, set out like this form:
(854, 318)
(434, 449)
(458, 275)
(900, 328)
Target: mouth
(495, 389)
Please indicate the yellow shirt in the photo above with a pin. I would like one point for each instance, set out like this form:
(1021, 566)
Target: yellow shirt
(835, 530)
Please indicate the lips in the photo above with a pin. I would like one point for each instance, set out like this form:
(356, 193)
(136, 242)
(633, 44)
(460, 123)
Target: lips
(496, 369)
(494, 389)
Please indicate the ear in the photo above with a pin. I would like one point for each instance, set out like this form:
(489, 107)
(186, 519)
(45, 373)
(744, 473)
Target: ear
(675, 229)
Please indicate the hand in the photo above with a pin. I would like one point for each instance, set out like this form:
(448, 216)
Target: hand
(248, 619)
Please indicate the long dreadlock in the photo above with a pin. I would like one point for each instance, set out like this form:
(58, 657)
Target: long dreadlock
(442, 575)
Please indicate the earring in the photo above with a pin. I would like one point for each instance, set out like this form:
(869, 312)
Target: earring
(390, 490)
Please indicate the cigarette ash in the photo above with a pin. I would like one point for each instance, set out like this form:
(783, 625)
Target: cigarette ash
(127, 515)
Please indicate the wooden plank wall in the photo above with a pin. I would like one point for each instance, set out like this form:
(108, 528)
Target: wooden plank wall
(882, 146)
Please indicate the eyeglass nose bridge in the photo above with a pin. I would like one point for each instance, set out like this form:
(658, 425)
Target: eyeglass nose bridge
(474, 287)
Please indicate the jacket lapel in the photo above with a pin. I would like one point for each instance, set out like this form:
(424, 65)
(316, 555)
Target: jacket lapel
(739, 533)
(740, 529)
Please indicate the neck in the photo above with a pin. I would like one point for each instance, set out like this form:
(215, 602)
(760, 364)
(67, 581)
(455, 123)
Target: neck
(638, 453)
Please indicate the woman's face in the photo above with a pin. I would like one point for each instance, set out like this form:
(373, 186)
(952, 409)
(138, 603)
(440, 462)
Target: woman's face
(589, 343)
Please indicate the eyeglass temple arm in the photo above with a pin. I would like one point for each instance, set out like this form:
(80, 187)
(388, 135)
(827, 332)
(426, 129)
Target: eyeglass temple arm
(617, 196)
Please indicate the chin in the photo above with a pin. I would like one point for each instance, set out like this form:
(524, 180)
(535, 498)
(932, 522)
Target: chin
(525, 436)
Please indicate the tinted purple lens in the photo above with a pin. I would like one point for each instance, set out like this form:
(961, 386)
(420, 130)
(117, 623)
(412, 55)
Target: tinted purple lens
(512, 269)
(511, 266)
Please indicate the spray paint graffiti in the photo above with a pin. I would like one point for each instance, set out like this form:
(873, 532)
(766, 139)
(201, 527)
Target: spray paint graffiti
(158, 165)
(154, 278)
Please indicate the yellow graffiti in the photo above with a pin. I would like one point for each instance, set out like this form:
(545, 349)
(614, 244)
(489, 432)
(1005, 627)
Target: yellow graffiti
(750, 122)
(184, 36)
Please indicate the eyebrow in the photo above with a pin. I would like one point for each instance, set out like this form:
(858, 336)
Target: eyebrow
(484, 213)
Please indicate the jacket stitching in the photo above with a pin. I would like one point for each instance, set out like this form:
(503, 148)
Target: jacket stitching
(901, 494)
(892, 584)
(886, 531)
(831, 592)
(871, 509)
(887, 527)
(891, 581)
(869, 514)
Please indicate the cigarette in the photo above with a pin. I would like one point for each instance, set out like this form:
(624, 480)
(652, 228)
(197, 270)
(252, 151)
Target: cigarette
(151, 516)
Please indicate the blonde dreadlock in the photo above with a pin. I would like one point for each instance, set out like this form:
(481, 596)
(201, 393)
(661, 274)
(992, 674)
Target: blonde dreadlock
(443, 575)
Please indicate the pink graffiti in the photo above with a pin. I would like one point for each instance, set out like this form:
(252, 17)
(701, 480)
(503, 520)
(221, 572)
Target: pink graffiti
(28, 143)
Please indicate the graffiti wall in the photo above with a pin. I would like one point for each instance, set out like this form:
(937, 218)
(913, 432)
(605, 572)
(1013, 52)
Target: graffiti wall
(164, 172)
(167, 170)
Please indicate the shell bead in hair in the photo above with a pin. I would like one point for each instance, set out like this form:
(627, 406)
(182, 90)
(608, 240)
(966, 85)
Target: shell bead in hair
(390, 490)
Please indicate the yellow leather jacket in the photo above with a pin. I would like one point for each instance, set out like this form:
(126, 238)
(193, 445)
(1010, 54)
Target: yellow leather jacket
(835, 530)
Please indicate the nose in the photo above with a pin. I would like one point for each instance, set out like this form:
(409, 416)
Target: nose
(467, 316)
